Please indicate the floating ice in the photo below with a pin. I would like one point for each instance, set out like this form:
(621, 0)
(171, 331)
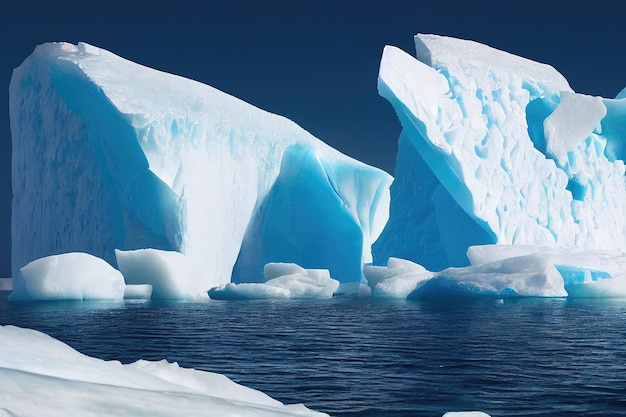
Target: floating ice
(585, 273)
(497, 149)
(170, 274)
(69, 276)
(283, 280)
(108, 154)
(397, 280)
(522, 276)
(69, 383)
(507, 271)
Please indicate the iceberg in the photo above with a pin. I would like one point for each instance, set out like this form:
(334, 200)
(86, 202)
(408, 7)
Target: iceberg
(522, 276)
(109, 154)
(507, 271)
(282, 280)
(497, 149)
(69, 276)
(70, 383)
(397, 280)
(169, 274)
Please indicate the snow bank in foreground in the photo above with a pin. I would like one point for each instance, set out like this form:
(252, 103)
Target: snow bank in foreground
(505, 271)
(43, 377)
(282, 280)
(69, 276)
(169, 273)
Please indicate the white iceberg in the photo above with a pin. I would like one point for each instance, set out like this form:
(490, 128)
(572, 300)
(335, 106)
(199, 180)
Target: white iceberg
(108, 154)
(522, 276)
(69, 276)
(496, 148)
(397, 280)
(43, 377)
(169, 274)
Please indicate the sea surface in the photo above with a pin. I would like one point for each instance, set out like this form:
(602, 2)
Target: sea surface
(362, 357)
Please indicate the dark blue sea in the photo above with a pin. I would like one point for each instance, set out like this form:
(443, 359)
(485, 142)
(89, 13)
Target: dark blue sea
(362, 357)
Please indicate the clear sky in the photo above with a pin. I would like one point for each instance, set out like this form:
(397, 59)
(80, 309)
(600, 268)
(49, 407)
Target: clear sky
(314, 62)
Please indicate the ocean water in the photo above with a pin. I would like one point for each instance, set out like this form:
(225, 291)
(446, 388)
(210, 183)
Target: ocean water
(362, 357)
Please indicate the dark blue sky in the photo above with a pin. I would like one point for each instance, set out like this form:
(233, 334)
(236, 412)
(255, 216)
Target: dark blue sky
(313, 62)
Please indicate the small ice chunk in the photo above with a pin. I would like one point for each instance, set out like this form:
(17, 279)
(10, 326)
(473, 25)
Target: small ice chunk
(283, 280)
(465, 414)
(247, 291)
(397, 280)
(70, 276)
(572, 122)
(170, 273)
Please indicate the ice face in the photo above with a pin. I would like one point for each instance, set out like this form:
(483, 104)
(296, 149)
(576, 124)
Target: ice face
(497, 149)
(108, 154)
(69, 276)
(67, 380)
(282, 280)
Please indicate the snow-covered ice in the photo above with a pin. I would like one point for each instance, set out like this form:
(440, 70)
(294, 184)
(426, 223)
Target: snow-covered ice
(170, 274)
(282, 280)
(69, 276)
(496, 148)
(108, 154)
(46, 378)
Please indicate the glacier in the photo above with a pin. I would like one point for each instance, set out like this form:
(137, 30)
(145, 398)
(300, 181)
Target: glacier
(109, 154)
(498, 149)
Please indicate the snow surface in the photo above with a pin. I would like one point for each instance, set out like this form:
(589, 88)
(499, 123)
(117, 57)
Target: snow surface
(42, 377)
(282, 280)
(170, 274)
(496, 148)
(69, 276)
(108, 154)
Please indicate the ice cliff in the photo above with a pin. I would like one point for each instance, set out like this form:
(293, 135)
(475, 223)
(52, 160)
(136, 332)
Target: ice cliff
(499, 149)
(108, 154)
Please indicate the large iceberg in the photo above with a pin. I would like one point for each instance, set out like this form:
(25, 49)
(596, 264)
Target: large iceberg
(108, 154)
(496, 148)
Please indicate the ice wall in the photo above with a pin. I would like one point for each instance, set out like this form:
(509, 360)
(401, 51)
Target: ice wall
(108, 154)
(506, 151)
